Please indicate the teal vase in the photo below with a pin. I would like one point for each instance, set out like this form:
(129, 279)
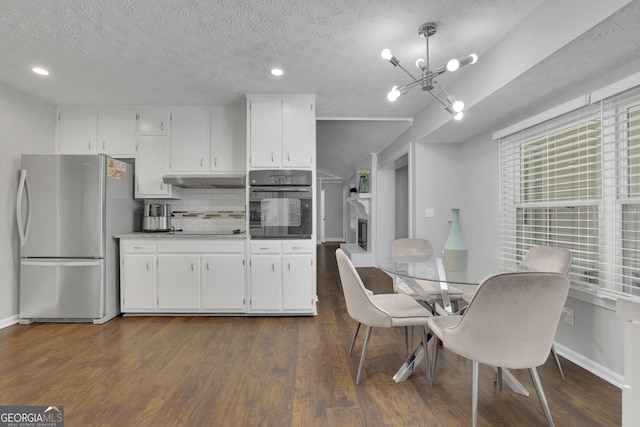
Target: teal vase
(454, 256)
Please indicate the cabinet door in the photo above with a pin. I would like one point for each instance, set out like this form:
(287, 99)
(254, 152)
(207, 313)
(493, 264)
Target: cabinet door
(179, 282)
(117, 132)
(77, 132)
(223, 282)
(298, 279)
(266, 283)
(190, 140)
(137, 282)
(151, 165)
(265, 132)
(153, 122)
(229, 139)
(298, 132)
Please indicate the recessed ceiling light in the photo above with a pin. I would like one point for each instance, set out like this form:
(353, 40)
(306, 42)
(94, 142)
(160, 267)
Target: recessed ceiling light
(276, 72)
(40, 71)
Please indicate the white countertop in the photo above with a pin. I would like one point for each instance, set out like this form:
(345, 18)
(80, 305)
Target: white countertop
(180, 235)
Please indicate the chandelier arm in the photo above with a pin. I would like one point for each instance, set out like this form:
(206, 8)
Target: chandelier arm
(410, 75)
(446, 105)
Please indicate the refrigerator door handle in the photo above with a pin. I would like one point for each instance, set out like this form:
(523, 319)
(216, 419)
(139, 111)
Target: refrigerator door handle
(23, 188)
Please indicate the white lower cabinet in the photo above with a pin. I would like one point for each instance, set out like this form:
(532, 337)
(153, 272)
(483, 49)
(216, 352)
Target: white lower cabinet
(221, 289)
(167, 275)
(178, 281)
(282, 277)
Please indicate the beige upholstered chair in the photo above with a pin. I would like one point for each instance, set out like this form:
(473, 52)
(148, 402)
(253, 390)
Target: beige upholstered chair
(543, 258)
(510, 323)
(378, 311)
(416, 248)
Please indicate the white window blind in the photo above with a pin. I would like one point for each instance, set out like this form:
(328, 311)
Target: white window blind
(574, 181)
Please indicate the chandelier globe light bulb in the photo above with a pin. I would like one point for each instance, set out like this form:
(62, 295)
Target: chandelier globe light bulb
(420, 63)
(457, 106)
(458, 116)
(393, 94)
(453, 65)
(386, 54)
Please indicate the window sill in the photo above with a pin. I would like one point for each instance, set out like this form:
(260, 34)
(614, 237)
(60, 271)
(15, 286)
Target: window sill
(599, 298)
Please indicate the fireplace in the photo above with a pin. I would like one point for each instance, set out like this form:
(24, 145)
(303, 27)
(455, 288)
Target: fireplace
(362, 233)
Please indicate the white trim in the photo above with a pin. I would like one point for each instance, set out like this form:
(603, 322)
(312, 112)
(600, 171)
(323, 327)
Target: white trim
(552, 113)
(9, 321)
(596, 369)
(616, 88)
(368, 119)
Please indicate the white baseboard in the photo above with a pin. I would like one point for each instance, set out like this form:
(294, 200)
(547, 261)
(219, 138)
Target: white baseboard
(8, 321)
(596, 369)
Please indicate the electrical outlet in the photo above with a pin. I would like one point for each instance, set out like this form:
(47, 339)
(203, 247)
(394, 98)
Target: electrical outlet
(567, 315)
(430, 213)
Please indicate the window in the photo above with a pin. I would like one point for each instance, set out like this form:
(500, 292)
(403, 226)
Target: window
(574, 181)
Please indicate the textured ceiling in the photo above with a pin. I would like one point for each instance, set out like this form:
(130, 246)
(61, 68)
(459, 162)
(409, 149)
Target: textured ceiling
(197, 52)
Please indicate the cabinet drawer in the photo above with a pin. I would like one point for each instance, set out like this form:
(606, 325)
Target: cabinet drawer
(133, 246)
(200, 246)
(266, 246)
(297, 247)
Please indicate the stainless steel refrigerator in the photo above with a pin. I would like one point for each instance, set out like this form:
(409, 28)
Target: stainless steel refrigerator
(68, 209)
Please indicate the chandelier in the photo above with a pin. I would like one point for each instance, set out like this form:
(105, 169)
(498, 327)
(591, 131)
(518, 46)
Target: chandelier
(426, 81)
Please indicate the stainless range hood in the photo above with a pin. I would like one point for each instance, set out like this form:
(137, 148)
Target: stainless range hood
(206, 181)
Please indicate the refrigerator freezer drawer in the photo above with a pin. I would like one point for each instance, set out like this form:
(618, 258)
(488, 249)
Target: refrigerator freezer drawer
(56, 289)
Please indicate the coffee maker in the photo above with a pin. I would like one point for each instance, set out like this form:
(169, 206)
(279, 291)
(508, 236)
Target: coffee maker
(156, 217)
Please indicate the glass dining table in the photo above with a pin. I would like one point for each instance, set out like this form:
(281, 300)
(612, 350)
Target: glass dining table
(431, 268)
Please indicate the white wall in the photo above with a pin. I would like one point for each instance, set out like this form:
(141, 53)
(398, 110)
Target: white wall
(333, 211)
(402, 202)
(27, 125)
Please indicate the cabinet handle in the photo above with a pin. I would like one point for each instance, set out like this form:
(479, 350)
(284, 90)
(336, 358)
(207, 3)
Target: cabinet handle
(147, 265)
(162, 126)
(201, 163)
(296, 247)
(207, 266)
(273, 267)
(138, 247)
(191, 266)
(89, 145)
(289, 266)
(103, 145)
(215, 162)
(161, 184)
(272, 157)
(288, 156)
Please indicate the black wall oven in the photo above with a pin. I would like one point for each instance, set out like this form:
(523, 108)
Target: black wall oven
(280, 204)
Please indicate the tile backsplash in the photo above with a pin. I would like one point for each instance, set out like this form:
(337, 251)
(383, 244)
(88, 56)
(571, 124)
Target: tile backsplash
(208, 210)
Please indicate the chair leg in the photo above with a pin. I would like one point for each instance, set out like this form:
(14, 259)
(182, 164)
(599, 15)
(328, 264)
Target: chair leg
(499, 377)
(474, 394)
(557, 360)
(364, 353)
(353, 341)
(425, 346)
(434, 359)
(541, 396)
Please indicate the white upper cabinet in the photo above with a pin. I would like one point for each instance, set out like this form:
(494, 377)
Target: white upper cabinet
(281, 132)
(265, 132)
(77, 132)
(117, 132)
(153, 122)
(190, 138)
(298, 132)
(110, 132)
(152, 161)
(228, 139)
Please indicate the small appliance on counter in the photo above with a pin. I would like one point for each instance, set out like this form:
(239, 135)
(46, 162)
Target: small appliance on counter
(156, 217)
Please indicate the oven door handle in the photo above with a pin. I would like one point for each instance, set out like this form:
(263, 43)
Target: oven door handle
(280, 189)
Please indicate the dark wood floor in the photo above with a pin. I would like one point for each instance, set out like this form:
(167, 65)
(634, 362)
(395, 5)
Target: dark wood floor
(269, 371)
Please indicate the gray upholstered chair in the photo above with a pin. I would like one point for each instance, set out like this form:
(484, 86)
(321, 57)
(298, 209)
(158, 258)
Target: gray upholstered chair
(416, 248)
(552, 259)
(510, 323)
(378, 311)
